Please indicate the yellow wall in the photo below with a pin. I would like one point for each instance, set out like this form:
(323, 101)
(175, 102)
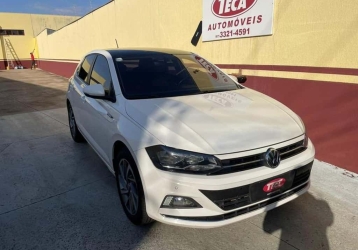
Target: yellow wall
(306, 33)
(32, 24)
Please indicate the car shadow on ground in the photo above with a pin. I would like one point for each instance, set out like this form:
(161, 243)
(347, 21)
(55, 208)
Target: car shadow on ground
(303, 223)
(27, 91)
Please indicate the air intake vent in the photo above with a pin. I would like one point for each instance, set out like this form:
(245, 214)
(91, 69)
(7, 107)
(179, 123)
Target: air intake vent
(229, 199)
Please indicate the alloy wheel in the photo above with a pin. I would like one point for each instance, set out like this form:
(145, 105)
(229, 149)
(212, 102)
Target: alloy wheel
(72, 121)
(128, 186)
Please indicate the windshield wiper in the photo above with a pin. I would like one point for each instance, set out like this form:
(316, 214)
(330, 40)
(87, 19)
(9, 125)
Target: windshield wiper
(214, 91)
(137, 97)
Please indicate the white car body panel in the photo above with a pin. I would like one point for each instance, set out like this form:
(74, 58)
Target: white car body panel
(205, 125)
(228, 125)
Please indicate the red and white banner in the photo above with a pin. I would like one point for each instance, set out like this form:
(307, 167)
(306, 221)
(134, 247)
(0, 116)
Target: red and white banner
(228, 19)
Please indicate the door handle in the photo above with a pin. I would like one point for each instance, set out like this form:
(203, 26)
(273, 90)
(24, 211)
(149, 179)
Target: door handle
(83, 97)
(109, 115)
(96, 106)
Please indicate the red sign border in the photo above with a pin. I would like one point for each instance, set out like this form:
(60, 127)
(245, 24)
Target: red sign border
(212, 10)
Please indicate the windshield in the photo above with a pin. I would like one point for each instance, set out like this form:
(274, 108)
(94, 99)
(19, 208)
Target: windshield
(164, 75)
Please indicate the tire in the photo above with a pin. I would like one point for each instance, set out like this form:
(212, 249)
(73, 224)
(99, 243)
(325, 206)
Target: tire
(130, 189)
(75, 133)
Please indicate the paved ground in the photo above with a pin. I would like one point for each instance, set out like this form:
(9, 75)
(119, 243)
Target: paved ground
(55, 194)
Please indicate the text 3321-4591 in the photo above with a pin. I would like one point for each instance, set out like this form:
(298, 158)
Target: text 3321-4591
(237, 32)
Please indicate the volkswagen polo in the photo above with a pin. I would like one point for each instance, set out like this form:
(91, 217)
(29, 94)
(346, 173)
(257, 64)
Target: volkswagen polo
(188, 144)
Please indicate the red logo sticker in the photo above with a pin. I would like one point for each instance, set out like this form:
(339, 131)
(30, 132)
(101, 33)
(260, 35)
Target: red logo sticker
(231, 8)
(274, 184)
(208, 66)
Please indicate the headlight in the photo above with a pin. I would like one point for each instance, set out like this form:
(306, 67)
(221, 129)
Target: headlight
(175, 160)
(179, 202)
(303, 124)
(305, 141)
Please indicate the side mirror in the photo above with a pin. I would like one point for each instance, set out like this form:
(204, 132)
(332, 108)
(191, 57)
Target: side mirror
(95, 91)
(241, 79)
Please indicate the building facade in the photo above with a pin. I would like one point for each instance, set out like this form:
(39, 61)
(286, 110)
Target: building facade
(18, 36)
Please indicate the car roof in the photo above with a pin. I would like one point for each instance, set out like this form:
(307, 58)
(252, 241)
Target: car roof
(144, 51)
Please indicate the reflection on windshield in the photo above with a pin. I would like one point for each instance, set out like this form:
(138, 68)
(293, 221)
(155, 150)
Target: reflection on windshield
(162, 75)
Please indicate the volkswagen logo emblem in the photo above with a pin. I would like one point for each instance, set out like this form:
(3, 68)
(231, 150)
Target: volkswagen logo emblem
(272, 158)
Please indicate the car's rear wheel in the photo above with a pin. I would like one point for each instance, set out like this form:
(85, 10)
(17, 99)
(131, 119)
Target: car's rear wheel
(130, 189)
(75, 133)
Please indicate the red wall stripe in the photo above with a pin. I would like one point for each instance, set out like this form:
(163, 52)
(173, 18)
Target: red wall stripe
(25, 63)
(65, 69)
(329, 111)
(285, 68)
(303, 69)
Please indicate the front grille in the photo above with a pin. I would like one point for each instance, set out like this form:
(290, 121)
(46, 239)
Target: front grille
(291, 150)
(233, 198)
(255, 161)
(240, 211)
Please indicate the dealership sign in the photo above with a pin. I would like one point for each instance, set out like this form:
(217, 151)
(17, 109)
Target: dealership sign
(228, 19)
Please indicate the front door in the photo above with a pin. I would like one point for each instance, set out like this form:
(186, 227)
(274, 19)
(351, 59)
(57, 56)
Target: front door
(99, 118)
(79, 81)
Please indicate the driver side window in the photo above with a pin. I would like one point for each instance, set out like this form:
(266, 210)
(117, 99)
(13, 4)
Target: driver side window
(102, 75)
(84, 69)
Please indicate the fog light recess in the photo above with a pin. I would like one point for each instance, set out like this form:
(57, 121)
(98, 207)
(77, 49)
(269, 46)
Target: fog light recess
(171, 201)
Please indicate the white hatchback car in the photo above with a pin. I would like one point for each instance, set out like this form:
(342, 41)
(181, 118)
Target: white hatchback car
(189, 145)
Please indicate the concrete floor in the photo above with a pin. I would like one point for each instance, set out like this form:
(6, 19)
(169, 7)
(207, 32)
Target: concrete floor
(55, 194)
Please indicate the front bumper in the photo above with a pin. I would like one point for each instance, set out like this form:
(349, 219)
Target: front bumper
(229, 218)
(157, 184)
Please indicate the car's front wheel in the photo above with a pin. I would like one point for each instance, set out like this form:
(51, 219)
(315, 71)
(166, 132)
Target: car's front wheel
(75, 133)
(130, 189)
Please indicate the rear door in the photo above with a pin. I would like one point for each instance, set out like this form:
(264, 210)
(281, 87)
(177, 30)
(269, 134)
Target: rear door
(80, 80)
(99, 116)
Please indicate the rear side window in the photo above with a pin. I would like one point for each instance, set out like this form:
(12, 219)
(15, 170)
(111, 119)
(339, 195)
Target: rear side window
(85, 67)
(102, 75)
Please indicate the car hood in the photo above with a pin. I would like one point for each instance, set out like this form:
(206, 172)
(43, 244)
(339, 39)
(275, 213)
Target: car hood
(216, 123)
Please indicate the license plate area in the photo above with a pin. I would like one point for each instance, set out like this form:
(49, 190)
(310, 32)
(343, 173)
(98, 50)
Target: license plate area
(271, 187)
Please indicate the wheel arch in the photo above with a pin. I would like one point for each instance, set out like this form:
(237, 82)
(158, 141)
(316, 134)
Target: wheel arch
(117, 147)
